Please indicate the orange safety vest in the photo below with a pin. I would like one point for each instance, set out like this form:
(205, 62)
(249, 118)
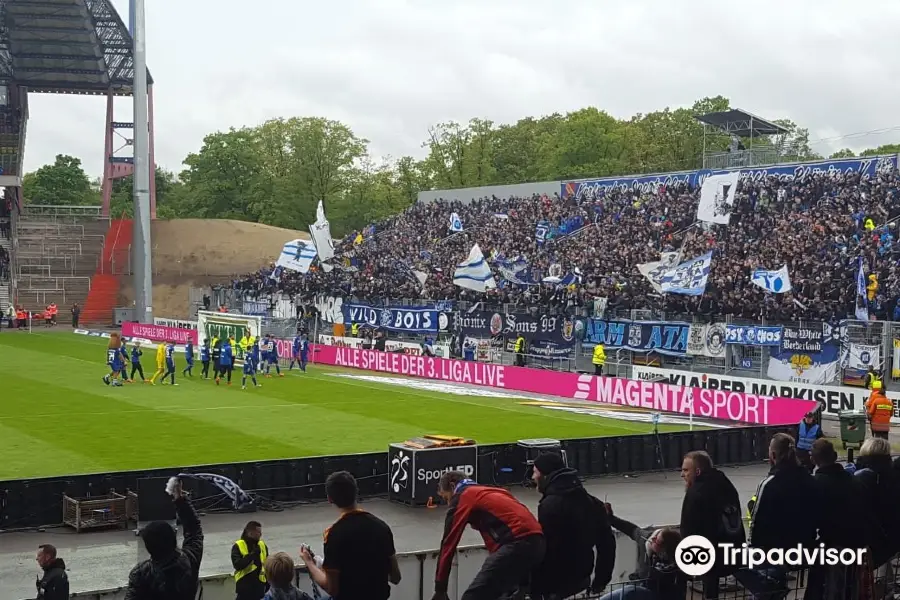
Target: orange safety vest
(879, 408)
(52, 309)
(20, 315)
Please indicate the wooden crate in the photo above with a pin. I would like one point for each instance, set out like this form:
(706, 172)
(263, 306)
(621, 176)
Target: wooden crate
(108, 510)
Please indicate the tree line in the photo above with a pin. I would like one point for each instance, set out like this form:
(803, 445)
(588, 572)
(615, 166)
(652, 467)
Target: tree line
(277, 172)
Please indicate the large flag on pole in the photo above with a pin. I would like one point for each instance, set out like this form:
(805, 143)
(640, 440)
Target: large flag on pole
(320, 231)
(297, 255)
(862, 300)
(456, 224)
(777, 282)
(717, 198)
(474, 273)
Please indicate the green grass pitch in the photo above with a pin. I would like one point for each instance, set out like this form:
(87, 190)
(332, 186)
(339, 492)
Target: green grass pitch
(58, 418)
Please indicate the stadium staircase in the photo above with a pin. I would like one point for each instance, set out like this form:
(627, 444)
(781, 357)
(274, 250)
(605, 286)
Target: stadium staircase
(4, 282)
(57, 252)
(106, 282)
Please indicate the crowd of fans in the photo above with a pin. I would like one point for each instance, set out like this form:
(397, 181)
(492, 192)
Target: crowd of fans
(819, 226)
(568, 547)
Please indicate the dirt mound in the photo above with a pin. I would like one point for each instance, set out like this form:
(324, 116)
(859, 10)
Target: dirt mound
(200, 252)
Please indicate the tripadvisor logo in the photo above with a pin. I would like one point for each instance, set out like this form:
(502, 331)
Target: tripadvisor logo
(696, 556)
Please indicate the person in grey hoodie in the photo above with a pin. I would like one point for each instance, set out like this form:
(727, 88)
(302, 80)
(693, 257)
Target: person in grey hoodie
(280, 574)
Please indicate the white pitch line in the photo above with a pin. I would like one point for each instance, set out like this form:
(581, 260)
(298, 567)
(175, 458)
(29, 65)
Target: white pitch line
(155, 409)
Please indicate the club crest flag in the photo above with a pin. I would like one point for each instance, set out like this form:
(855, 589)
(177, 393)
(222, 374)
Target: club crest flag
(297, 255)
(717, 198)
(776, 282)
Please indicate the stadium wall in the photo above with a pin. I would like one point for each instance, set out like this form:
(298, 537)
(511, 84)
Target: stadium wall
(36, 502)
(467, 195)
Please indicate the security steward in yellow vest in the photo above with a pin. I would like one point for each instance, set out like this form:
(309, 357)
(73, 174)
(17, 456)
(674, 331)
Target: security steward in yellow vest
(244, 344)
(599, 359)
(248, 555)
(520, 351)
(870, 379)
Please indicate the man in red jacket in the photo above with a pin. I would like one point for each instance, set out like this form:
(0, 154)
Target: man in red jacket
(511, 534)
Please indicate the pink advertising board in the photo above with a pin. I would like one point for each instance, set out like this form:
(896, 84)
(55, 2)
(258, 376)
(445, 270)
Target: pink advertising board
(662, 397)
(159, 333)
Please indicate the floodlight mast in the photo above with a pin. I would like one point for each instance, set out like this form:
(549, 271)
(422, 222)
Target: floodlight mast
(141, 255)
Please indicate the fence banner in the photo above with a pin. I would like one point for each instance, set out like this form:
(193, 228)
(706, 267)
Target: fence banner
(410, 348)
(638, 336)
(895, 366)
(707, 340)
(753, 335)
(159, 333)
(832, 398)
(407, 319)
(661, 397)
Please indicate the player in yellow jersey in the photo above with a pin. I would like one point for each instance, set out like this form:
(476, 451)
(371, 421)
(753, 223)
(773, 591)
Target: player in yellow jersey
(160, 363)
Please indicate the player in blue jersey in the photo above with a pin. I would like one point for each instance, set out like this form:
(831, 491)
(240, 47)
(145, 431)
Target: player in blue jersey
(226, 360)
(205, 355)
(188, 358)
(170, 363)
(295, 351)
(251, 360)
(136, 366)
(114, 360)
(123, 353)
(304, 352)
(272, 349)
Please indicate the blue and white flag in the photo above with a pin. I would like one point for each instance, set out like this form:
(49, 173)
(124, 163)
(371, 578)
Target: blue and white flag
(862, 300)
(456, 224)
(541, 231)
(777, 282)
(688, 278)
(517, 271)
(276, 274)
(474, 273)
(297, 255)
(238, 497)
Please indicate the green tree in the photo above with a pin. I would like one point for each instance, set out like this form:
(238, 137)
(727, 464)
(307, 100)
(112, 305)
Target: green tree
(122, 199)
(885, 149)
(843, 153)
(63, 183)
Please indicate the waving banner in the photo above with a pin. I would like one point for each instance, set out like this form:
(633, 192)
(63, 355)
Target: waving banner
(717, 198)
(688, 278)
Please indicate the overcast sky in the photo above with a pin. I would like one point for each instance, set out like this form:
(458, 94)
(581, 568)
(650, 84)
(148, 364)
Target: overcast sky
(391, 68)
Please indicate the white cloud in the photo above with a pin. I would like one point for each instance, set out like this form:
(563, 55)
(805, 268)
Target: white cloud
(391, 68)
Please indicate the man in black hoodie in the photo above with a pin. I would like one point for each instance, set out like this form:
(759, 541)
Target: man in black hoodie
(711, 508)
(574, 524)
(170, 573)
(839, 496)
(54, 585)
(786, 513)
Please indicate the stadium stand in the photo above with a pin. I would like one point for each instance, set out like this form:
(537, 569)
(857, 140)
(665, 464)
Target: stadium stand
(818, 224)
(58, 251)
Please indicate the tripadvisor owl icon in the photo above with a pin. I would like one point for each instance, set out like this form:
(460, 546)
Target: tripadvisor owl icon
(695, 555)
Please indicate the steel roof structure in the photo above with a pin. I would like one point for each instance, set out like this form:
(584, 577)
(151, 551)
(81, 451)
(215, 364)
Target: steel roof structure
(741, 123)
(66, 47)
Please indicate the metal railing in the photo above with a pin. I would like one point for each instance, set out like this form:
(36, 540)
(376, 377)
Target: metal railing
(53, 210)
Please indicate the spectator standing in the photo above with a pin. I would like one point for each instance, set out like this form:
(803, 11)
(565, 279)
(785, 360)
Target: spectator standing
(839, 497)
(360, 560)
(880, 491)
(574, 523)
(54, 582)
(786, 513)
(279, 569)
(10, 315)
(511, 534)
(248, 555)
(711, 508)
(76, 314)
(170, 573)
